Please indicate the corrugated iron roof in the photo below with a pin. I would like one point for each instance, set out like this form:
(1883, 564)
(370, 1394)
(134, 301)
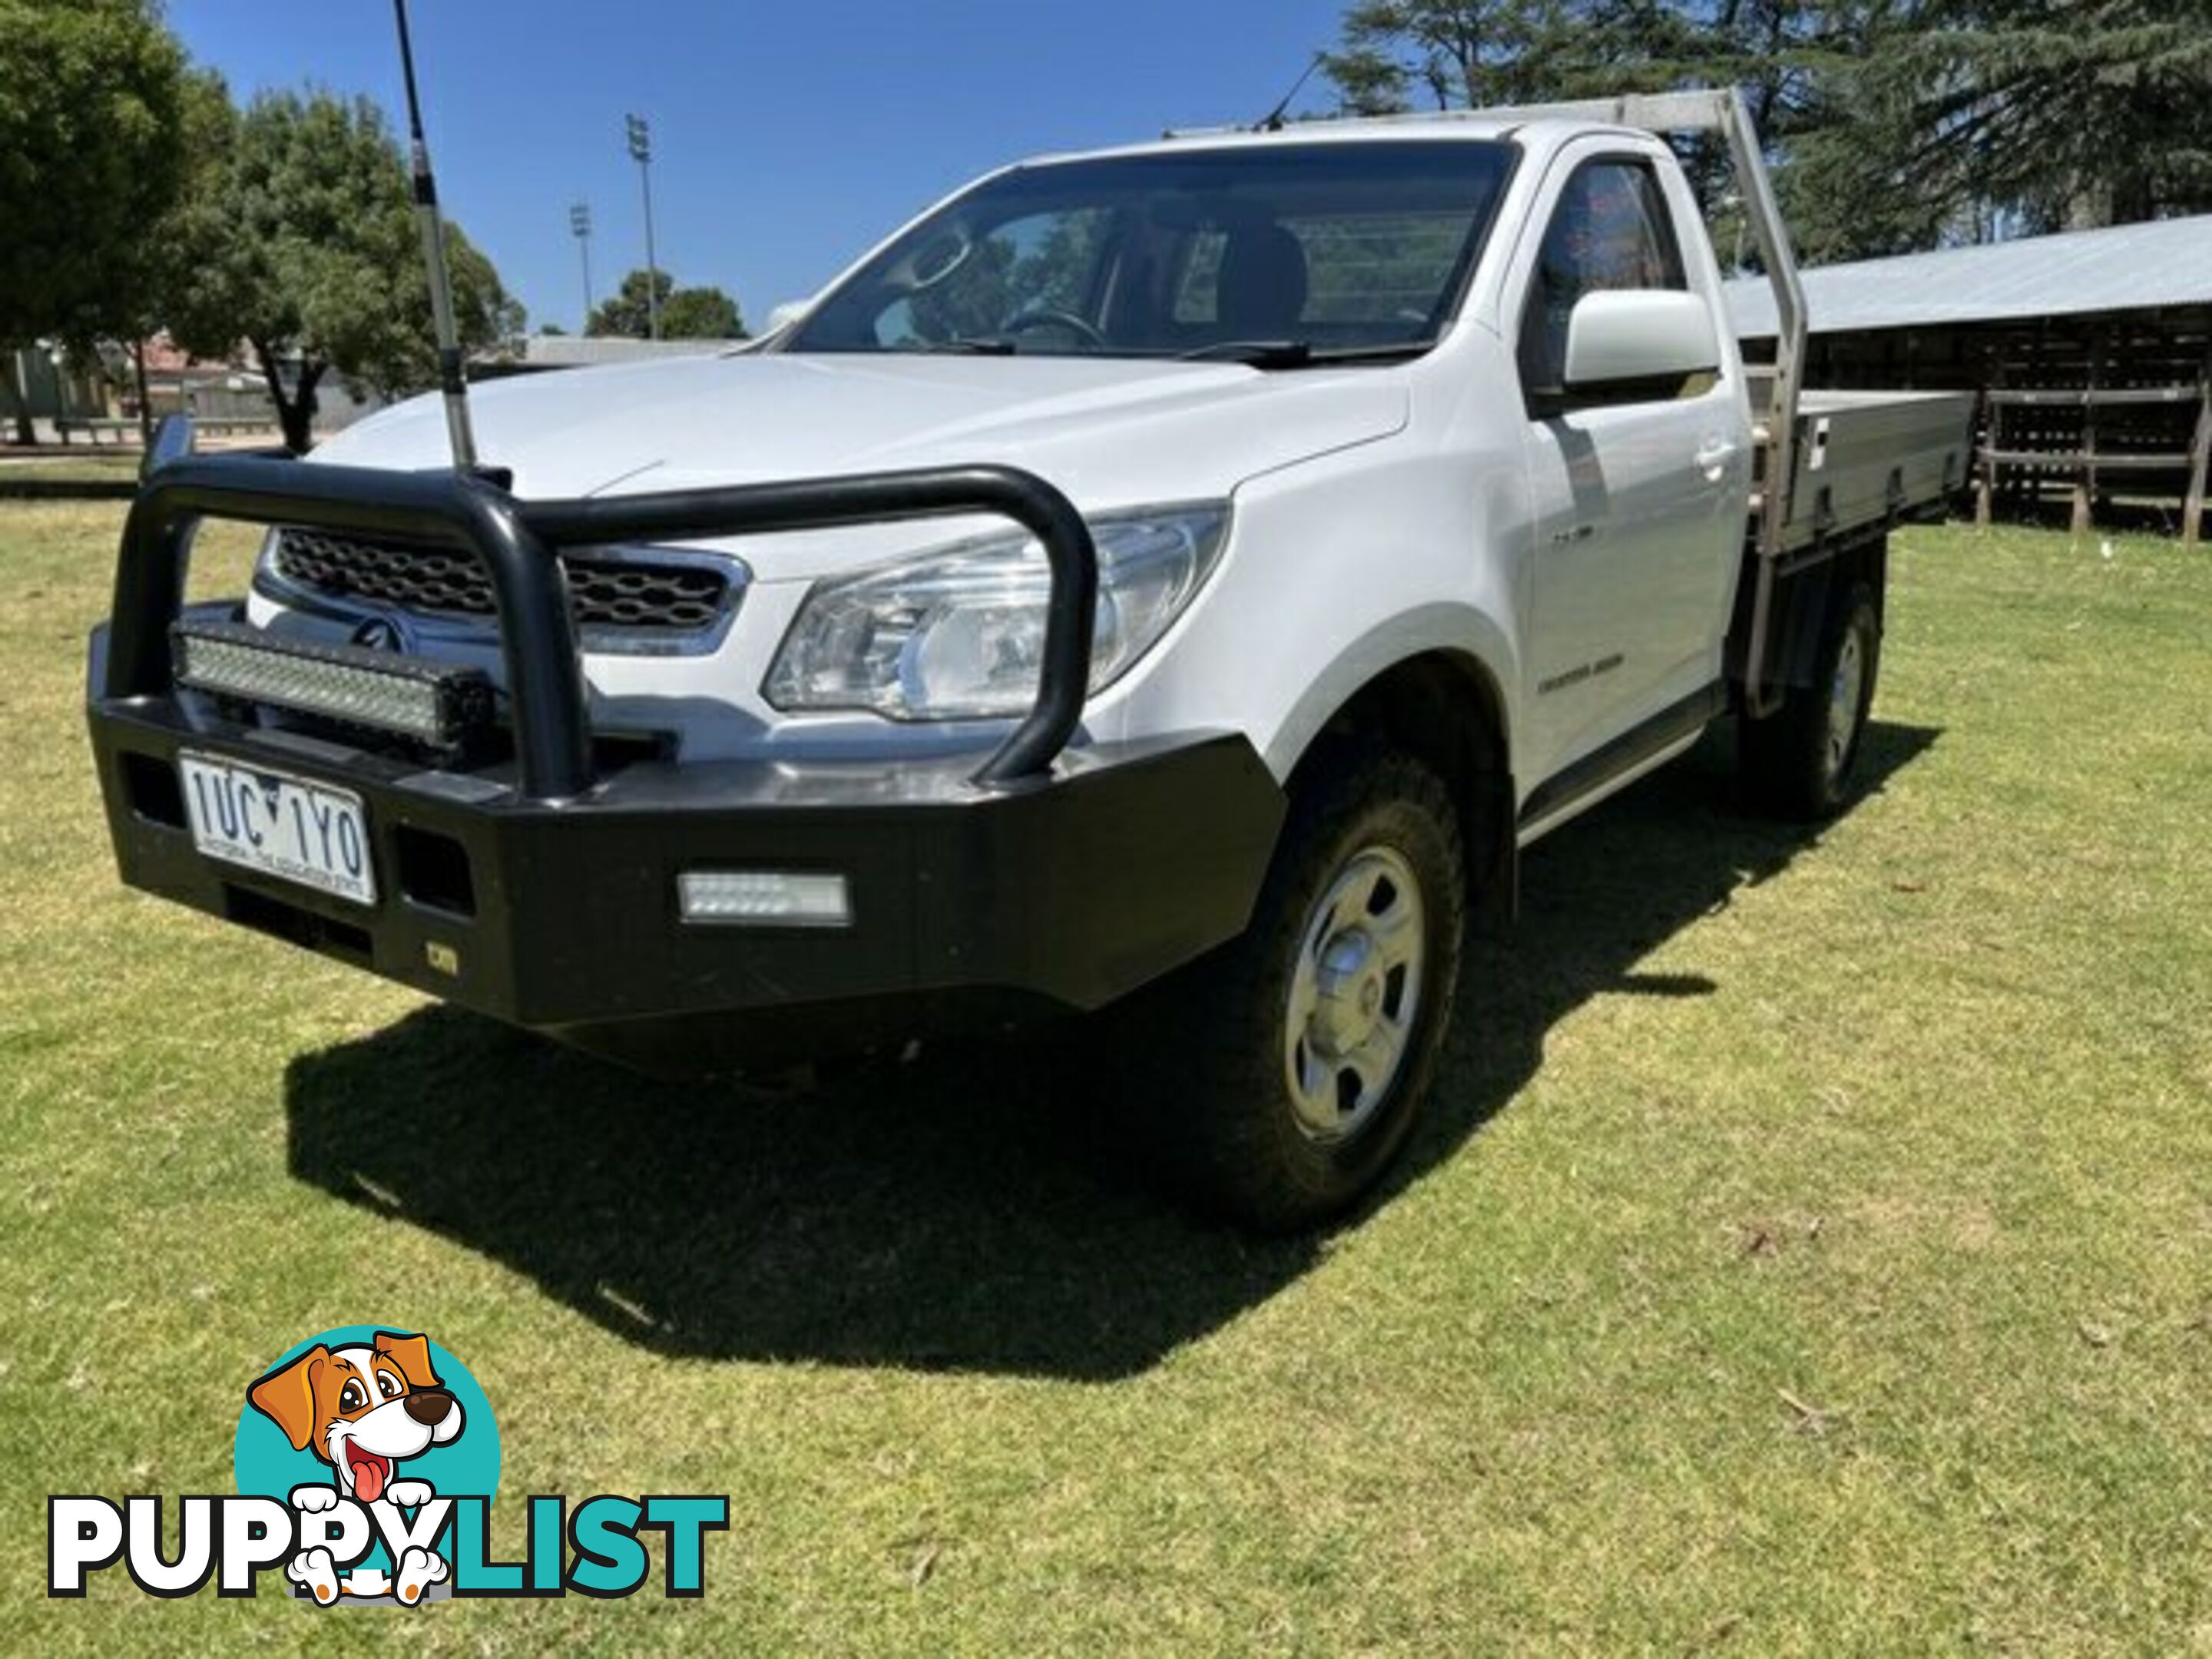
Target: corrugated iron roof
(2127, 268)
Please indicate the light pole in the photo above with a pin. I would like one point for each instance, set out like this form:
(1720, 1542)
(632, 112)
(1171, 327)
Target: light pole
(580, 224)
(641, 151)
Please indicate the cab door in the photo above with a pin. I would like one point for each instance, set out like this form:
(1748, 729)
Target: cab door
(1639, 494)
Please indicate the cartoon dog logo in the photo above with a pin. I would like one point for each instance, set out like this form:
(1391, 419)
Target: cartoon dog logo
(363, 1410)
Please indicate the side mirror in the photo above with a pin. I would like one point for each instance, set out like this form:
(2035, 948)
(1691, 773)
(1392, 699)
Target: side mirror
(1624, 336)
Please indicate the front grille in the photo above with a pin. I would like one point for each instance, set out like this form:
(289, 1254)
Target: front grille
(635, 594)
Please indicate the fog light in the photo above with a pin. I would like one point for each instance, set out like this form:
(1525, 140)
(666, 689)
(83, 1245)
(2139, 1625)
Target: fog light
(763, 898)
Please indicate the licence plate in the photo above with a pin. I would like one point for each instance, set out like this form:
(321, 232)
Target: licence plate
(281, 825)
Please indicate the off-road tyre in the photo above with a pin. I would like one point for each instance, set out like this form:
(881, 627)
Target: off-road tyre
(1802, 761)
(1219, 1064)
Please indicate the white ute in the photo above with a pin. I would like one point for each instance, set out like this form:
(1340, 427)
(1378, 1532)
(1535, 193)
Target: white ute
(1424, 501)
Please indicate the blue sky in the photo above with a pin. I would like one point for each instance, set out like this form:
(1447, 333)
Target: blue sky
(787, 137)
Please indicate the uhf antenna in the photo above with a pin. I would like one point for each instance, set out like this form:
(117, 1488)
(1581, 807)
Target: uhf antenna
(1272, 121)
(450, 379)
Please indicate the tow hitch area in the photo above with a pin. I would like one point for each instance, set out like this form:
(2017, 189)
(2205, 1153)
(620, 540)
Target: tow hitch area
(402, 815)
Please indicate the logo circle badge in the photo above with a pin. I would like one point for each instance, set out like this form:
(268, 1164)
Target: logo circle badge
(384, 1417)
(380, 634)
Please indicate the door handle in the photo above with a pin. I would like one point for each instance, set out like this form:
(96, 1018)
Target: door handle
(1714, 455)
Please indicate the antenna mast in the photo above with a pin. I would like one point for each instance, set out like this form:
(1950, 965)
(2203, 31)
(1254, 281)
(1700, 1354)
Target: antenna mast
(1273, 120)
(450, 379)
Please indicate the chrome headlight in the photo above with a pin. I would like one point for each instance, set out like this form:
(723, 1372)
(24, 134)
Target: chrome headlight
(957, 634)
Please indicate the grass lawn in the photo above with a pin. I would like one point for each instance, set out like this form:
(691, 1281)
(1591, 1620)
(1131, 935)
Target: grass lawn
(110, 466)
(1810, 1251)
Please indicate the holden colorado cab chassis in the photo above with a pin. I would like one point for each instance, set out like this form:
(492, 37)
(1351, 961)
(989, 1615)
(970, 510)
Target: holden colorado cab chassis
(1182, 576)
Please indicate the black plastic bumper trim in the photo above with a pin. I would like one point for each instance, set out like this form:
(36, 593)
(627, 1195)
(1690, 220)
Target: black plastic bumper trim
(1131, 859)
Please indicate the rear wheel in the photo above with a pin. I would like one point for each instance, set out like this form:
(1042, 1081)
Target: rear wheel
(1802, 761)
(1286, 1070)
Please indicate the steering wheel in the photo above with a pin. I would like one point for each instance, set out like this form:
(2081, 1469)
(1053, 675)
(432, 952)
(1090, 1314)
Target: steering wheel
(1053, 317)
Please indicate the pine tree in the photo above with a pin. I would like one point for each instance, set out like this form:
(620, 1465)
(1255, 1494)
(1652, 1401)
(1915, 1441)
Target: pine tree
(1396, 54)
(2035, 115)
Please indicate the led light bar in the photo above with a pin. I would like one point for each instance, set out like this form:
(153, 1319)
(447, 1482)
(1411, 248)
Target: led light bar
(434, 702)
(763, 898)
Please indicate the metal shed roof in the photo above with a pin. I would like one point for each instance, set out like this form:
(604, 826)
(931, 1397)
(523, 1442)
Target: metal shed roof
(2127, 268)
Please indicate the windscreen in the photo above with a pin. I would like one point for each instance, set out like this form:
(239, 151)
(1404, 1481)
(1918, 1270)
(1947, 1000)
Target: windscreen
(1338, 247)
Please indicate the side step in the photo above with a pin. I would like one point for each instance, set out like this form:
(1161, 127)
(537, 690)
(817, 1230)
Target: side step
(1631, 749)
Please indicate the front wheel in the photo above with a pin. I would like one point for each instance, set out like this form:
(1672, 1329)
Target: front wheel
(1802, 760)
(1287, 1070)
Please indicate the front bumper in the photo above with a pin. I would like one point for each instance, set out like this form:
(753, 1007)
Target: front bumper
(540, 888)
(967, 905)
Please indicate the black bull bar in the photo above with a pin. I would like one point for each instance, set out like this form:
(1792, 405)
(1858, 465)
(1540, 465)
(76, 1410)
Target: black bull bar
(519, 544)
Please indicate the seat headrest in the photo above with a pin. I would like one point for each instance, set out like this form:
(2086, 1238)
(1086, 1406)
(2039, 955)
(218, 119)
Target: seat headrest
(1261, 293)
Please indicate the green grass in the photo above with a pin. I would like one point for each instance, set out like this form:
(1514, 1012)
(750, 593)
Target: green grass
(108, 466)
(1811, 1252)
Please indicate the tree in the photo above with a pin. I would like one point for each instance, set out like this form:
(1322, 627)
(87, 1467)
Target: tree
(91, 104)
(1849, 187)
(2043, 115)
(163, 274)
(1799, 64)
(625, 313)
(309, 253)
(701, 313)
(1447, 54)
(686, 313)
(1891, 124)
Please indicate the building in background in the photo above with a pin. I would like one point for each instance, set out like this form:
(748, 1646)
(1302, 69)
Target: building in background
(2092, 351)
(178, 383)
(55, 388)
(541, 352)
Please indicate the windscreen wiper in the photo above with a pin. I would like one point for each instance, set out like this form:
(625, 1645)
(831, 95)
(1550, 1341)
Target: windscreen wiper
(1300, 354)
(982, 345)
(1257, 354)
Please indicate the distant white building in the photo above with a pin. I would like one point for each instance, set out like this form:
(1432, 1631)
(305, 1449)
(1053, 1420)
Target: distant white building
(545, 351)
